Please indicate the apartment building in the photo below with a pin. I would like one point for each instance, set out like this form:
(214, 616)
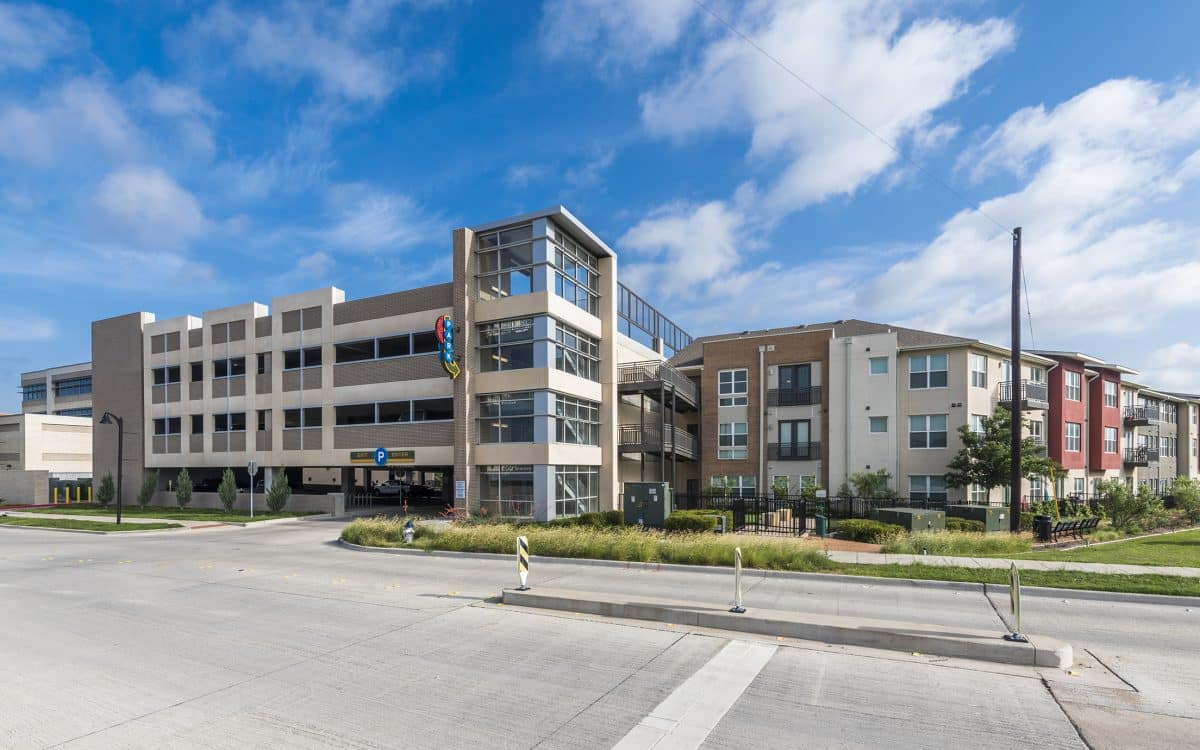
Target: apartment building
(36, 448)
(817, 403)
(514, 388)
(1188, 462)
(65, 391)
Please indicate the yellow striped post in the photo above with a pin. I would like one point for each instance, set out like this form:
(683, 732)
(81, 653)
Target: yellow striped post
(89, 493)
(523, 561)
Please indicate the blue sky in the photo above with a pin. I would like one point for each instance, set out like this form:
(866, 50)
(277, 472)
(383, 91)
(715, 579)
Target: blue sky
(178, 157)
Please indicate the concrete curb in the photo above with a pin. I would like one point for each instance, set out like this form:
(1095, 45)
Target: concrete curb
(91, 531)
(273, 521)
(936, 640)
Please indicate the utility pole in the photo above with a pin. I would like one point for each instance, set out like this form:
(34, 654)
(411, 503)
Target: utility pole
(1014, 495)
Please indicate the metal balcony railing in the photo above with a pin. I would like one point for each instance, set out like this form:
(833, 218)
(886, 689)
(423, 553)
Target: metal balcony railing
(651, 373)
(653, 438)
(794, 396)
(1140, 456)
(1032, 393)
(1142, 415)
(794, 451)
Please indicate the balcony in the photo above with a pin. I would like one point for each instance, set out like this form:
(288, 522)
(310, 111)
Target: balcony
(794, 451)
(657, 377)
(794, 396)
(1140, 456)
(634, 438)
(1034, 394)
(1141, 416)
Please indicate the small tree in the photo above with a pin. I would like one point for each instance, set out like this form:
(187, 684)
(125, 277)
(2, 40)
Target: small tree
(873, 484)
(279, 492)
(1123, 506)
(106, 491)
(779, 488)
(183, 488)
(149, 485)
(986, 459)
(227, 490)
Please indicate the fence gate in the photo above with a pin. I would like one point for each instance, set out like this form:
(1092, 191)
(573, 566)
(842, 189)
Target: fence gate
(359, 498)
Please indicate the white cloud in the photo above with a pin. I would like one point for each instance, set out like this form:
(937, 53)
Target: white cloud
(521, 175)
(369, 221)
(686, 245)
(182, 106)
(145, 206)
(1175, 367)
(346, 48)
(612, 33)
(78, 119)
(30, 35)
(20, 326)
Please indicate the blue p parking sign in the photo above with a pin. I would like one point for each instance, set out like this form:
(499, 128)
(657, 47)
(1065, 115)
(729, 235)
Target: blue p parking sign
(381, 456)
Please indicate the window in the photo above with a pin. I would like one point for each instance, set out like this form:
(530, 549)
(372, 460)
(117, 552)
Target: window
(263, 363)
(233, 422)
(1110, 439)
(928, 489)
(424, 343)
(795, 437)
(1080, 485)
(878, 365)
(1073, 443)
(264, 420)
(166, 375)
(1195, 447)
(504, 262)
(506, 345)
(229, 368)
(576, 277)
(1195, 415)
(576, 353)
(978, 371)
(927, 431)
(731, 387)
(167, 426)
(795, 378)
(506, 418)
(85, 411)
(197, 372)
(878, 424)
(294, 359)
(432, 409)
(391, 346)
(1037, 375)
(506, 491)
(402, 345)
(391, 412)
(979, 494)
(197, 424)
(576, 490)
(977, 424)
(352, 414)
(736, 485)
(33, 392)
(355, 351)
(1166, 446)
(73, 387)
(1074, 391)
(310, 416)
(1035, 431)
(1170, 412)
(928, 371)
(731, 440)
(1110, 394)
(577, 421)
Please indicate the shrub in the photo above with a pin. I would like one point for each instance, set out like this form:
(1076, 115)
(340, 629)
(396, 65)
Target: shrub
(614, 517)
(149, 485)
(380, 531)
(697, 520)
(1027, 520)
(183, 488)
(227, 490)
(871, 532)
(279, 492)
(1187, 498)
(1125, 508)
(106, 491)
(965, 524)
(958, 543)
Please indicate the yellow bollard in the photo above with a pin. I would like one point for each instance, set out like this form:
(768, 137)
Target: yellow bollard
(76, 493)
(89, 493)
(56, 496)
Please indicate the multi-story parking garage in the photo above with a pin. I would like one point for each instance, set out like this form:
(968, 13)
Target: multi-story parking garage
(531, 385)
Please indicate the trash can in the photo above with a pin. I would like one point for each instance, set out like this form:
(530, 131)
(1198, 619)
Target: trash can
(1041, 528)
(822, 525)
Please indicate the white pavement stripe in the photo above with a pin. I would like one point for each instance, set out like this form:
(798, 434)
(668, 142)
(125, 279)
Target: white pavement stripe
(685, 718)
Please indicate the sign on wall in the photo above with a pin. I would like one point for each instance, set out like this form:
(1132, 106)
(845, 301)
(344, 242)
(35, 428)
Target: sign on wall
(388, 457)
(443, 328)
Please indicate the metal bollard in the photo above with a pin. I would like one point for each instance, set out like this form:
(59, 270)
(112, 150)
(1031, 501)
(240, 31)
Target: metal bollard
(737, 581)
(1014, 595)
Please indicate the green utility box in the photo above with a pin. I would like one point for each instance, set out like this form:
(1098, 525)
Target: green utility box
(994, 517)
(912, 519)
(646, 503)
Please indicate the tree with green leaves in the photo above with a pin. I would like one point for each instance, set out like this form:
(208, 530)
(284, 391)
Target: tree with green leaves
(873, 484)
(986, 458)
(279, 492)
(183, 488)
(1186, 492)
(149, 485)
(107, 491)
(227, 490)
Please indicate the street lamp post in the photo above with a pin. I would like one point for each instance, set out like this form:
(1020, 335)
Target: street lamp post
(110, 418)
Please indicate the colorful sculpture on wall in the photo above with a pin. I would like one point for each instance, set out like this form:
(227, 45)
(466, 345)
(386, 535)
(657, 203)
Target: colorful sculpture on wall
(444, 330)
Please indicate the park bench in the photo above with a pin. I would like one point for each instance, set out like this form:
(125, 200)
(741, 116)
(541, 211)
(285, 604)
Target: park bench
(1076, 528)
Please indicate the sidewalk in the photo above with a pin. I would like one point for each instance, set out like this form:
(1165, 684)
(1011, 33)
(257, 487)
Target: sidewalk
(877, 558)
(113, 519)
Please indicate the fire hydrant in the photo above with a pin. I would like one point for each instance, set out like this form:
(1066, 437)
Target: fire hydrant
(409, 531)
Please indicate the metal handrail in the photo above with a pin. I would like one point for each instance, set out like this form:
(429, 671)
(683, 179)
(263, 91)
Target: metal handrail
(678, 440)
(806, 396)
(653, 372)
(1149, 413)
(794, 451)
(1031, 390)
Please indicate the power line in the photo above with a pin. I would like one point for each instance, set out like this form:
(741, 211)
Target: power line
(1028, 312)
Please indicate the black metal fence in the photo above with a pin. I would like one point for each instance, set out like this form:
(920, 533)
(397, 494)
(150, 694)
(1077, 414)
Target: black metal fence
(756, 514)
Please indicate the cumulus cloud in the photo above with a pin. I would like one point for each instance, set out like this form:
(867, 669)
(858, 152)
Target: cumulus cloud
(80, 118)
(145, 206)
(369, 221)
(31, 35)
(183, 107)
(612, 33)
(1175, 367)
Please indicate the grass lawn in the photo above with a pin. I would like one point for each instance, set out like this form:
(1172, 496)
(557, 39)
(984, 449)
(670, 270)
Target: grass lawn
(72, 523)
(170, 513)
(632, 545)
(1181, 550)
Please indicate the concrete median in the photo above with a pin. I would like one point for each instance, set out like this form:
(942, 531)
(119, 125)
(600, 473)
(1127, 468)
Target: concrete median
(937, 640)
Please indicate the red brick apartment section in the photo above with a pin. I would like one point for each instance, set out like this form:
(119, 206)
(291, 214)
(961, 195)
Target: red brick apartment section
(1099, 417)
(790, 349)
(1062, 411)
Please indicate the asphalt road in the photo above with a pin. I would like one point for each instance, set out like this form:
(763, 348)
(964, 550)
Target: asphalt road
(277, 637)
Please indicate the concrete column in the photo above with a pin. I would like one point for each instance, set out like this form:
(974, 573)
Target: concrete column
(347, 482)
(609, 466)
(464, 407)
(543, 492)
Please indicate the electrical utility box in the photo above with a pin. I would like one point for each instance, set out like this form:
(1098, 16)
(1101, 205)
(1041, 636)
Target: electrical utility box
(912, 519)
(994, 517)
(646, 503)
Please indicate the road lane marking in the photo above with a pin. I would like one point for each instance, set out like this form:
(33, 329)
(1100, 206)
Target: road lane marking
(686, 717)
